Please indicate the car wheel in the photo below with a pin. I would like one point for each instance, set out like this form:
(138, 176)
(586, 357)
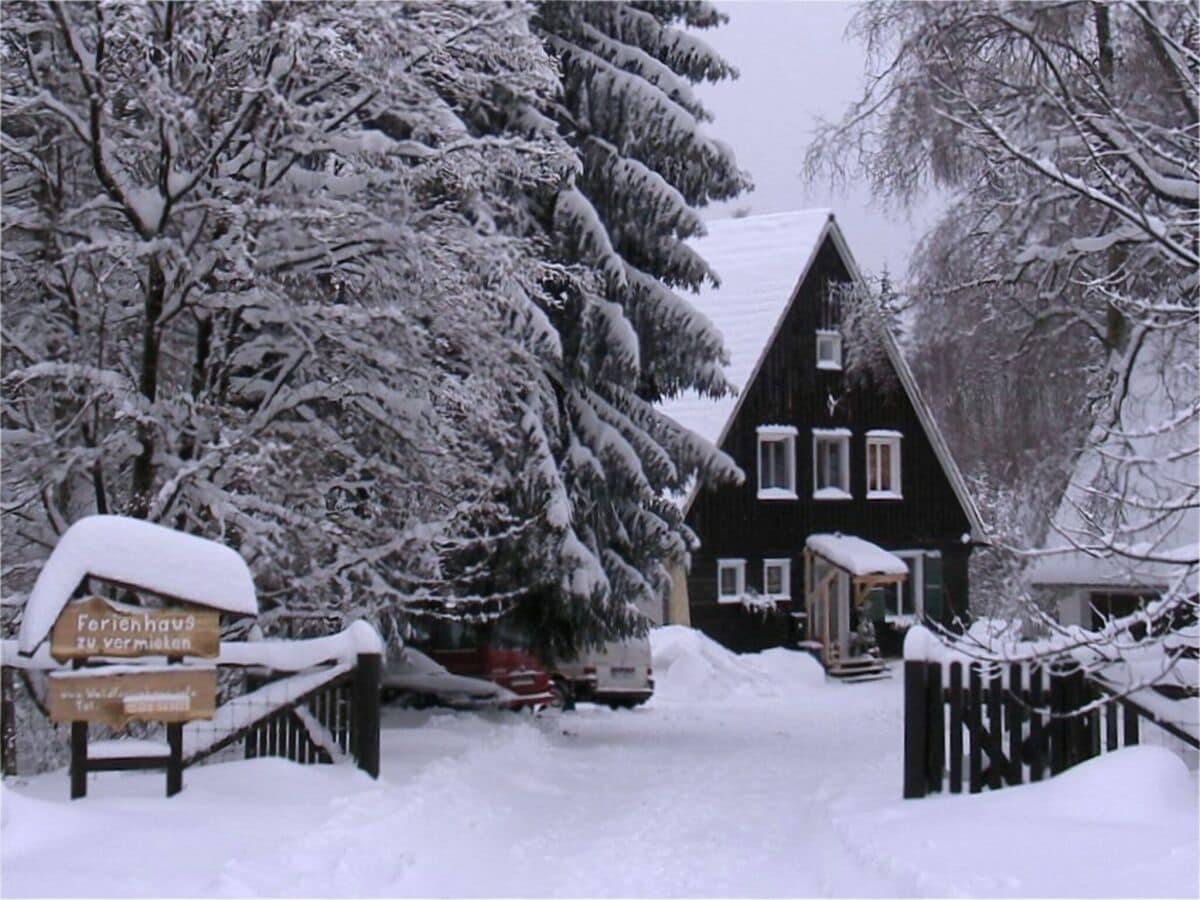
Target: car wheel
(561, 695)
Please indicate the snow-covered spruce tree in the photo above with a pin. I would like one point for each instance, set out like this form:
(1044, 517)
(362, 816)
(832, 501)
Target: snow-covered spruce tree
(259, 286)
(606, 458)
(1068, 134)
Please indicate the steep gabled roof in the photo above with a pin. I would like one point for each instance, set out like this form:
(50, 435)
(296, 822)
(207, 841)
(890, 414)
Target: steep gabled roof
(762, 261)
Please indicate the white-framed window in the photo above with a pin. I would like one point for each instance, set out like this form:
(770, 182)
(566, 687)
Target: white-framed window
(777, 579)
(906, 603)
(831, 463)
(776, 462)
(883, 465)
(829, 349)
(731, 580)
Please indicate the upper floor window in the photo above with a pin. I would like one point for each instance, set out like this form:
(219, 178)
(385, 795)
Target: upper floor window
(776, 462)
(731, 580)
(883, 465)
(829, 349)
(831, 463)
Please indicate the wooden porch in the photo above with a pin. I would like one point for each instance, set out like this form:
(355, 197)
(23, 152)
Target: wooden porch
(839, 573)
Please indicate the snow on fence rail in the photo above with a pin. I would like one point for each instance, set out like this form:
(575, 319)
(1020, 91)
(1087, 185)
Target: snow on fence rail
(991, 723)
(324, 708)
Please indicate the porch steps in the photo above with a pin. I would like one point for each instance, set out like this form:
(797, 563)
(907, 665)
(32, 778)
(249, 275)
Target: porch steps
(861, 668)
(867, 676)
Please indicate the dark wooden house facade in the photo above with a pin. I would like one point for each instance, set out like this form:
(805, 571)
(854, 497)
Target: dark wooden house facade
(824, 453)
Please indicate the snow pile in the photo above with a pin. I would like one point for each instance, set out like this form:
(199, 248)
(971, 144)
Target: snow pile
(1136, 785)
(1122, 824)
(141, 554)
(690, 666)
(789, 668)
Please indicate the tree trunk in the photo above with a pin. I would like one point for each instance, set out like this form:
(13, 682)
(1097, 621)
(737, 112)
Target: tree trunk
(143, 464)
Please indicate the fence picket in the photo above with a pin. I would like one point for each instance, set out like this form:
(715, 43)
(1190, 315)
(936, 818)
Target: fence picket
(1058, 724)
(1037, 736)
(935, 701)
(995, 748)
(1014, 720)
(975, 723)
(1131, 726)
(1110, 726)
(956, 728)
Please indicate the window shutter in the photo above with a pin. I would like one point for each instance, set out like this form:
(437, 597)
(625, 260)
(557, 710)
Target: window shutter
(933, 588)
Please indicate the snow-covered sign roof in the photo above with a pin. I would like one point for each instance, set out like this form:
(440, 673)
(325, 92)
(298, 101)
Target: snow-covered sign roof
(856, 556)
(140, 555)
(762, 261)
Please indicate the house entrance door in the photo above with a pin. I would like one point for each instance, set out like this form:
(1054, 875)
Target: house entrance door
(841, 614)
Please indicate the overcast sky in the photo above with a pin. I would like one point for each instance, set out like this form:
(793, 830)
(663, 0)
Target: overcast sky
(796, 67)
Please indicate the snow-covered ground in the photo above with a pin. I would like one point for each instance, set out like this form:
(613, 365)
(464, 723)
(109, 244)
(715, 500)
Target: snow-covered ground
(743, 776)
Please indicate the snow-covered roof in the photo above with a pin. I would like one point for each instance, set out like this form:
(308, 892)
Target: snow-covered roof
(761, 261)
(856, 556)
(1080, 568)
(1151, 465)
(141, 555)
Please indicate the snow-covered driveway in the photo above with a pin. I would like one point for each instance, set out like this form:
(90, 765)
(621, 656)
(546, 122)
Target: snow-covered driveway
(743, 776)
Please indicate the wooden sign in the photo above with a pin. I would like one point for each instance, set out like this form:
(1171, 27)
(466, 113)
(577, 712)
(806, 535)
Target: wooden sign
(98, 627)
(117, 695)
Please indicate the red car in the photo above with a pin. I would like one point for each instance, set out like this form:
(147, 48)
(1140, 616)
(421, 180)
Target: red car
(493, 654)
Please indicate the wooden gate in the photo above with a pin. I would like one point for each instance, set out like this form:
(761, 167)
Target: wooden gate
(997, 724)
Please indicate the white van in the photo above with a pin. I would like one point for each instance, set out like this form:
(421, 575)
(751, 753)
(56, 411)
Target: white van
(619, 674)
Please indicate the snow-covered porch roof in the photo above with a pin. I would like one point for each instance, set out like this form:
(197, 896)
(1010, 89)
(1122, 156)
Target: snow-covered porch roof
(142, 556)
(859, 558)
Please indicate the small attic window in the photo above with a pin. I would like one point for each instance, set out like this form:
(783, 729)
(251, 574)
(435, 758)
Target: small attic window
(829, 349)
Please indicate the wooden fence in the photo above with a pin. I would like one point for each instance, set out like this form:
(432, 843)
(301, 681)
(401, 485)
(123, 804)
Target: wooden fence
(322, 714)
(997, 724)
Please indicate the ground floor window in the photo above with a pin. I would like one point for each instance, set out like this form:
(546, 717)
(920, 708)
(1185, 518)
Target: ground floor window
(731, 580)
(777, 579)
(918, 597)
(1107, 605)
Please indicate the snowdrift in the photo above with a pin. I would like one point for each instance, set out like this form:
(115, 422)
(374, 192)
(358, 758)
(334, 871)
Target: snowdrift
(1134, 809)
(690, 666)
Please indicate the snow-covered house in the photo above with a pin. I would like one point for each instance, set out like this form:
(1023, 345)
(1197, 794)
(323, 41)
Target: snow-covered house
(1127, 529)
(825, 454)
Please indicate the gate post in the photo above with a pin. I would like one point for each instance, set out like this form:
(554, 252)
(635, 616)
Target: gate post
(915, 729)
(8, 722)
(367, 675)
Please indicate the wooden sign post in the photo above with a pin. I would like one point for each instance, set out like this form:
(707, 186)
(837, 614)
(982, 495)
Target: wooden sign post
(118, 694)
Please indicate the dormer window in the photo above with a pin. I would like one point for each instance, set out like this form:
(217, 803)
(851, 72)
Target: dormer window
(829, 349)
(776, 462)
(883, 465)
